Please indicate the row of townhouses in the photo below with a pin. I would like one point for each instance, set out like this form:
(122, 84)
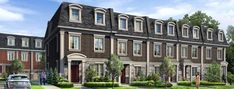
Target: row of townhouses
(79, 36)
(27, 49)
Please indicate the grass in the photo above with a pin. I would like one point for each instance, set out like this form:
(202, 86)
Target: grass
(202, 87)
(71, 88)
(37, 87)
(121, 87)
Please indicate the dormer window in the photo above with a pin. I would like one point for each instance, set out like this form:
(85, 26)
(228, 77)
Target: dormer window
(123, 22)
(100, 16)
(196, 32)
(75, 13)
(158, 27)
(171, 29)
(138, 24)
(38, 43)
(185, 31)
(11, 41)
(209, 34)
(220, 36)
(25, 42)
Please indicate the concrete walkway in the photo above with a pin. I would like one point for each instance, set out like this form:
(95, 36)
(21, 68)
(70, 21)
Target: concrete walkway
(50, 87)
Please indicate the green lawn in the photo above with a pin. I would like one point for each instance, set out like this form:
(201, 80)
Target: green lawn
(121, 87)
(71, 88)
(202, 87)
(37, 87)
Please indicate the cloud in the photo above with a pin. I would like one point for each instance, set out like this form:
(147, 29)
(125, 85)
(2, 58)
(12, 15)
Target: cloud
(3, 1)
(13, 30)
(7, 15)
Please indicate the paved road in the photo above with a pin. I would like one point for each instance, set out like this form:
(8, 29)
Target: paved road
(2, 83)
(50, 87)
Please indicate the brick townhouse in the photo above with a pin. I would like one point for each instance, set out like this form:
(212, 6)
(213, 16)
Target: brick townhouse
(27, 49)
(79, 36)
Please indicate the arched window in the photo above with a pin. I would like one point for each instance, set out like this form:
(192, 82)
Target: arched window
(123, 22)
(100, 16)
(171, 29)
(75, 13)
(220, 36)
(138, 24)
(209, 34)
(196, 32)
(185, 30)
(158, 27)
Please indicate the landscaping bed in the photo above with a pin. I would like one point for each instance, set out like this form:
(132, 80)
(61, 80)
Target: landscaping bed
(100, 84)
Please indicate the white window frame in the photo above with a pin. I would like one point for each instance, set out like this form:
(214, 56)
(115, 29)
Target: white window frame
(74, 34)
(38, 56)
(186, 54)
(196, 53)
(220, 49)
(9, 54)
(103, 11)
(173, 50)
(209, 30)
(8, 41)
(36, 41)
(103, 44)
(122, 16)
(220, 39)
(126, 42)
(24, 56)
(99, 66)
(168, 25)
(135, 24)
(155, 27)
(160, 44)
(78, 7)
(209, 48)
(187, 27)
(137, 42)
(198, 29)
(25, 40)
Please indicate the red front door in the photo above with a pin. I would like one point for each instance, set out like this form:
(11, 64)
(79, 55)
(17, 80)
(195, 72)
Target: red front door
(123, 76)
(75, 73)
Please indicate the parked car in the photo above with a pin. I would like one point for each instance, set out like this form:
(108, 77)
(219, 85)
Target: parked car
(18, 81)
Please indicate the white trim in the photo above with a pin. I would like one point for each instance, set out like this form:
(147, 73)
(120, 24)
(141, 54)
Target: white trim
(221, 49)
(187, 27)
(210, 48)
(160, 44)
(78, 7)
(216, 44)
(69, 41)
(183, 45)
(26, 56)
(100, 10)
(190, 42)
(131, 36)
(209, 30)
(26, 40)
(155, 27)
(13, 54)
(11, 38)
(101, 37)
(171, 24)
(83, 29)
(163, 39)
(15, 49)
(40, 41)
(221, 32)
(141, 22)
(137, 42)
(196, 28)
(173, 50)
(193, 46)
(125, 41)
(123, 16)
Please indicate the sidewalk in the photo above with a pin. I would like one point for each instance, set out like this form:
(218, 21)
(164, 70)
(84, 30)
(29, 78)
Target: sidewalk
(50, 87)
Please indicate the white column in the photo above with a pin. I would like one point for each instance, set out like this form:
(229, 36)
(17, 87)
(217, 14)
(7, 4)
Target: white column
(177, 76)
(183, 77)
(112, 44)
(224, 56)
(202, 62)
(130, 73)
(69, 70)
(61, 66)
(191, 73)
(17, 55)
(31, 63)
(83, 72)
(177, 52)
(148, 58)
(119, 80)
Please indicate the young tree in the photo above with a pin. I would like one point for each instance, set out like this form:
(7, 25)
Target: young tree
(167, 69)
(213, 73)
(17, 66)
(114, 67)
(230, 49)
(42, 61)
(90, 73)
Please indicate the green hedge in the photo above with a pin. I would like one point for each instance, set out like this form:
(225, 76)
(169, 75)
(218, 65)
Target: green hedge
(100, 84)
(142, 83)
(211, 83)
(65, 85)
(184, 83)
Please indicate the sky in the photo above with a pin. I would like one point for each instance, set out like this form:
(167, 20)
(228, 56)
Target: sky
(30, 17)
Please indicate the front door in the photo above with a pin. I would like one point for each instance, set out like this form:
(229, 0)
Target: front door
(123, 75)
(75, 73)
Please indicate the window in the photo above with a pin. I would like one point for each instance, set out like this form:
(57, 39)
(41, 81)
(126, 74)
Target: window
(99, 68)
(100, 16)
(10, 55)
(38, 57)
(157, 49)
(196, 32)
(194, 52)
(11, 41)
(75, 41)
(185, 31)
(219, 53)
(24, 56)
(123, 22)
(208, 52)
(184, 51)
(170, 50)
(122, 47)
(194, 71)
(138, 71)
(220, 36)
(75, 13)
(158, 27)
(209, 34)
(38, 43)
(25, 42)
(171, 29)
(99, 43)
(137, 48)
(138, 24)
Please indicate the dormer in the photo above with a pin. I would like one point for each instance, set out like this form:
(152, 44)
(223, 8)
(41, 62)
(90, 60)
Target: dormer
(185, 30)
(209, 34)
(10, 41)
(171, 29)
(75, 13)
(138, 24)
(220, 36)
(123, 22)
(158, 27)
(99, 16)
(196, 31)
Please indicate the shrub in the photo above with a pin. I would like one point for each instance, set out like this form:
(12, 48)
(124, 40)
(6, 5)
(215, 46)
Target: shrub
(100, 84)
(142, 83)
(62, 79)
(184, 83)
(65, 85)
(55, 77)
(153, 76)
(213, 73)
(90, 73)
(206, 83)
(4, 75)
(164, 85)
(49, 76)
(230, 78)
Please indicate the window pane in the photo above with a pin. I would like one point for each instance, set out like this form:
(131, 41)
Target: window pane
(123, 23)
(185, 30)
(157, 50)
(100, 18)
(171, 28)
(138, 26)
(75, 14)
(158, 28)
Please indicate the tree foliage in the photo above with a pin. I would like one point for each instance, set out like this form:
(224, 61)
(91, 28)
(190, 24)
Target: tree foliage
(230, 34)
(114, 67)
(230, 78)
(230, 49)
(17, 66)
(200, 18)
(167, 69)
(90, 73)
(213, 73)
(42, 61)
